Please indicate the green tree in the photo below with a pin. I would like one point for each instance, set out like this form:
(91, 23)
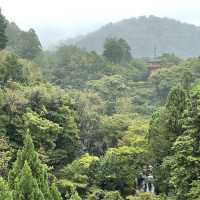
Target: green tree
(5, 156)
(117, 51)
(144, 196)
(194, 193)
(110, 88)
(111, 130)
(53, 124)
(77, 175)
(45, 131)
(11, 70)
(184, 167)
(25, 44)
(119, 168)
(26, 186)
(112, 195)
(5, 192)
(176, 104)
(98, 194)
(165, 127)
(3, 37)
(74, 195)
(89, 108)
(166, 78)
(55, 193)
(168, 60)
(192, 116)
(185, 152)
(12, 33)
(29, 178)
(28, 45)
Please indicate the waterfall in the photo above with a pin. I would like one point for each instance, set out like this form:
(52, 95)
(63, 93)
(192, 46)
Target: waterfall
(145, 180)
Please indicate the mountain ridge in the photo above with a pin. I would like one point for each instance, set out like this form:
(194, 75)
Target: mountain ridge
(144, 34)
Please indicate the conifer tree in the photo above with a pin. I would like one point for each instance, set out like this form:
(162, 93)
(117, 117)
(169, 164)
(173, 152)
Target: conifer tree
(29, 177)
(26, 186)
(176, 103)
(5, 193)
(74, 195)
(3, 38)
(166, 125)
(54, 192)
(191, 125)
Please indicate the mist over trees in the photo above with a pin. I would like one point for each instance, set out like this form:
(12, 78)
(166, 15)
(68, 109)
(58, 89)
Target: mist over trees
(24, 44)
(144, 34)
(82, 125)
(3, 38)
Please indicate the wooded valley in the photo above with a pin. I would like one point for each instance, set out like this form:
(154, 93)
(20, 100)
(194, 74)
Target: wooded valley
(77, 124)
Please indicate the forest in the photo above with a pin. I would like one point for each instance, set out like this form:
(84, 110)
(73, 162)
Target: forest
(80, 125)
(143, 33)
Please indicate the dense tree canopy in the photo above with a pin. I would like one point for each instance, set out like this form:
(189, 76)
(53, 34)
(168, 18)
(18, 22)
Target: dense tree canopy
(79, 125)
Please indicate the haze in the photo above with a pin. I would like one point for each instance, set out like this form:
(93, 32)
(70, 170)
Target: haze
(62, 19)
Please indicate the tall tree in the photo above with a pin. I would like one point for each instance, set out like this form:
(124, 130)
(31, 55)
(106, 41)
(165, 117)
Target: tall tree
(184, 167)
(3, 38)
(29, 45)
(29, 178)
(176, 104)
(5, 192)
(165, 127)
(12, 70)
(117, 51)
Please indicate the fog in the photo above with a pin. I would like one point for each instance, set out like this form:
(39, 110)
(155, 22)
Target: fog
(62, 19)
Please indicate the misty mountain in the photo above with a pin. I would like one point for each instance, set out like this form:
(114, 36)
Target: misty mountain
(145, 35)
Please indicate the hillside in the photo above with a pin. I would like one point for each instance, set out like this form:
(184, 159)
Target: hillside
(144, 34)
(78, 125)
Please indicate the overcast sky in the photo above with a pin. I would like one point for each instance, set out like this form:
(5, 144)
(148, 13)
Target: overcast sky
(60, 19)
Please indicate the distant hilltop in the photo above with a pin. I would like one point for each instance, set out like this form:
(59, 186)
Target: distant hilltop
(144, 34)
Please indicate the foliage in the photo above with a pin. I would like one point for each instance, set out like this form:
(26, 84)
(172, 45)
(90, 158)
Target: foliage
(89, 108)
(96, 134)
(112, 129)
(119, 167)
(169, 59)
(109, 88)
(73, 67)
(167, 78)
(18, 70)
(165, 127)
(22, 43)
(75, 196)
(3, 38)
(195, 191)
(136, 135)
(146, 33)
(5, 192)
(77, 174)
(144, 196)
(29, 46)
(29, 177)
(186, 151)
(180, 164)
(104, 195)
(117, 51)
(5, 156)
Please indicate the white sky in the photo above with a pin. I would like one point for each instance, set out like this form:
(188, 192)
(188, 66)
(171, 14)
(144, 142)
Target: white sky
(60, 19)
